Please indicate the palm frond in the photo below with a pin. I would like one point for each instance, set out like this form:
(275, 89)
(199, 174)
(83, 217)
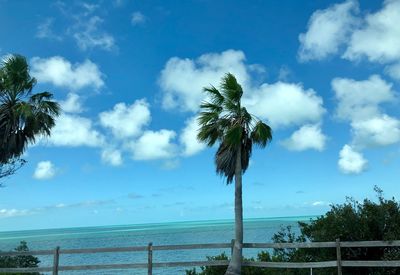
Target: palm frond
(15, 75)
(207, 118)
(233, 135)
(209, 133)
(225, 162)
(215, 96)
(23, 115)
(261, 134)
(212, 107)
(231, 89)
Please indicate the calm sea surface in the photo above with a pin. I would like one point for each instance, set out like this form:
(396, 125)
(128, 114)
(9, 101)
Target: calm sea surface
(222, 231)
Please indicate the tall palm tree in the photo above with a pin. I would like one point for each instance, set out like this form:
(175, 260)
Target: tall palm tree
(223, 119)
(23, 115)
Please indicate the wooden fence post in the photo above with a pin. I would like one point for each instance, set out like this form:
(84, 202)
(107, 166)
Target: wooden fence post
(150, 259)
(338, 257)
(56, 260)
(232, 245)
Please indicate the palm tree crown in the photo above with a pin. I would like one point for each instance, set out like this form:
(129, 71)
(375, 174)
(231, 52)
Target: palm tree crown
(23, 115)
(223, 119)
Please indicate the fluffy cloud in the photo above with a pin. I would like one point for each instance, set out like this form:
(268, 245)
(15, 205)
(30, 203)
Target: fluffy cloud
(154, 145)
(60, 72)
(182, 80)
(88, 34)
(282, 104)
(72, 104)
(376, 36)
(44, 30)
(394, 71)
(285, 104)
(379, 38)
(377, 131)
(361, 99)
(307, 137)
(138, 18)
(127, 120)
(188, 138)
(112, 157)
(350, 161)
(44, 170)
(327, 30)
(359, 102)
(73, 130)
(6, 213)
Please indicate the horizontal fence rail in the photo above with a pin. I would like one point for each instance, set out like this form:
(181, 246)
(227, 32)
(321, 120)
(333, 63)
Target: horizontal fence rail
(338, 263)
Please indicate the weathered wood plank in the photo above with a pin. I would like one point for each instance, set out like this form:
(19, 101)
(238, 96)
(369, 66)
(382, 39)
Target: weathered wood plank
(194, 263)
(290, 245)
(102, 266)
(371, 263)
(103, 250)
(338, 257)
(191, 246)
(25, 270)
(291, 264)
(150, 259)
(27, 253)
(56, 260)
(370, 243)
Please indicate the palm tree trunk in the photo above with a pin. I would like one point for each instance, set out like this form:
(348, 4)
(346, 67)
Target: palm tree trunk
(235, 265)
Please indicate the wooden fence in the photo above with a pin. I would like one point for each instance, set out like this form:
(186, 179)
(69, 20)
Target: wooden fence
(337, 263)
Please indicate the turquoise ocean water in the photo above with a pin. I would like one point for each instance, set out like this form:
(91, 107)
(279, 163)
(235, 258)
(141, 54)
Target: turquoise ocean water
(220, 231)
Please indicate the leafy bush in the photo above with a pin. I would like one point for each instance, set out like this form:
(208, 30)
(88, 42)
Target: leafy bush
(20, 260)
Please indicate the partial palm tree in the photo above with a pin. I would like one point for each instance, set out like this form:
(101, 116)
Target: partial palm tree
(24, 115)
(224, 120)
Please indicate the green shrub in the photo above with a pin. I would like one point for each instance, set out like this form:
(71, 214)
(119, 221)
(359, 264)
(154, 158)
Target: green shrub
(20, 260)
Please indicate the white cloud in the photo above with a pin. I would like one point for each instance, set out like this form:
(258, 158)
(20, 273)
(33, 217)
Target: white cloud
(44, 30)
(359, 102)
(60, 72)
(394, 71)
(6, 213)
(154, 145)
(188, 138)
(112, 157)
(72, 104)
(119, 3)
(127, 120)
(73, 130)
(282, 104)
(171, 164)
(307, 137)
(361, 99)
(327, 30)
(44, 170)
(377, 131)
(320, 203)
(379, 38)
(88, 34)
(138, 18)
(285, 104)
(350, 161)
(182, 80)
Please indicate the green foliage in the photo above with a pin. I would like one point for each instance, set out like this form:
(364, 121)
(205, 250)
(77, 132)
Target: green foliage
(20, 261)
(351, 221)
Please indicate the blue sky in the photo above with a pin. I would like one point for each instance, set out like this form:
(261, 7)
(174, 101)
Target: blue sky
(128, 74)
